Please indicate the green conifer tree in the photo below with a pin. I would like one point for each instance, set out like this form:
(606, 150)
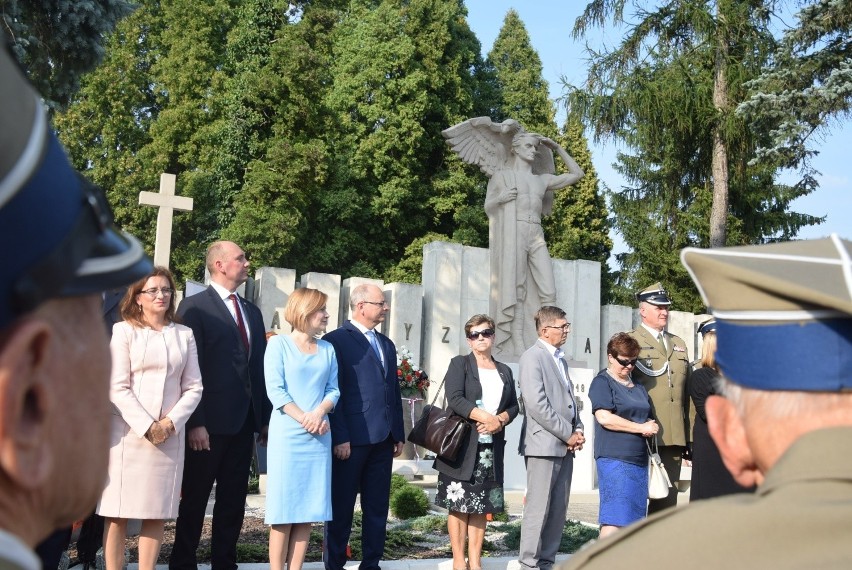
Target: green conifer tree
(404, 71)
(668, 92)
(57, 41)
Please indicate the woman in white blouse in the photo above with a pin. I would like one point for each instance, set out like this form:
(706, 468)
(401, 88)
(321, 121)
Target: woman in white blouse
(471, 487)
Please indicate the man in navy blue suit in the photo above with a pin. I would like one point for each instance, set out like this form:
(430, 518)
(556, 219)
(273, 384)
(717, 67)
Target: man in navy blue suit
(231, 341)
(366, 429)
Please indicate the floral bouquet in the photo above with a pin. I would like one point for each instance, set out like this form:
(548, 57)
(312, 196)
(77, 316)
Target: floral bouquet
(413, 380)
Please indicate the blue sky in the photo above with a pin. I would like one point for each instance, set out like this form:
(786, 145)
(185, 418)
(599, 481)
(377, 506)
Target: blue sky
(549, 24)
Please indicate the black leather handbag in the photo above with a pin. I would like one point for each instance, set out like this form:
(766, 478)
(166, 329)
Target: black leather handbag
(442, 432)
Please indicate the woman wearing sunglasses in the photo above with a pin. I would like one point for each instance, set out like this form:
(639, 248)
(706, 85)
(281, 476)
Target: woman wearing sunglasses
(471, 487)
(623, 419)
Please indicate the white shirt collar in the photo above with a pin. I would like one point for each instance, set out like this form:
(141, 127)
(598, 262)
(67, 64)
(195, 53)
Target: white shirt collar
(221, 291)
(359, 326)
(550, 348)
(16, 552)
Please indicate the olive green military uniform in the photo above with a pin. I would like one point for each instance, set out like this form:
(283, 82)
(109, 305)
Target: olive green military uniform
(664, 371)
(800, 517)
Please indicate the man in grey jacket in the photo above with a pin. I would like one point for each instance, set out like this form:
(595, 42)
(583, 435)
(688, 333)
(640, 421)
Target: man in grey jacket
(551, 433)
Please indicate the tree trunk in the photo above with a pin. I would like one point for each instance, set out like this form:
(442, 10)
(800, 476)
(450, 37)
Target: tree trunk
(719, 209)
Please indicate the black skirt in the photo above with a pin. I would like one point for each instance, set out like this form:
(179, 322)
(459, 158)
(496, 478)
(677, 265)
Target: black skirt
(483, 494)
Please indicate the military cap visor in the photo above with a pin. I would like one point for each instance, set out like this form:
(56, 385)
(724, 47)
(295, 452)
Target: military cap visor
(784, 312)
(707, 326)
(655, 295)
(58, 226)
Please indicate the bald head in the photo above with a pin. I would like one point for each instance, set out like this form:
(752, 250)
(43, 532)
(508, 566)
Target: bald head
(227, 264)
(368, 305)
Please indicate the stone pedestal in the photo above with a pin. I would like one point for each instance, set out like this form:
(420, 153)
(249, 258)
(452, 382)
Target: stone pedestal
(584, 478)
(614, 319)
(404, 321)
(412, 409)
(330, 285)
(273, 287)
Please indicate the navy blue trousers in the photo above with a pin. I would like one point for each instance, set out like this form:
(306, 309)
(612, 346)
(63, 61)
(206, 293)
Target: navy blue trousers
(368, 471)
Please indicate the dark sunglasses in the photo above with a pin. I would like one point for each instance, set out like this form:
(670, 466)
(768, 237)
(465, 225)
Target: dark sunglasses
(627, 362)
(484, 333)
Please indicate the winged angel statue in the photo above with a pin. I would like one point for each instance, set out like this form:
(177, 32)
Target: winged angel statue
(521, 181)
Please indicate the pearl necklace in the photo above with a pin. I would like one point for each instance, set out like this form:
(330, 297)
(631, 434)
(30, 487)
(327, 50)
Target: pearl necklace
(626, 383)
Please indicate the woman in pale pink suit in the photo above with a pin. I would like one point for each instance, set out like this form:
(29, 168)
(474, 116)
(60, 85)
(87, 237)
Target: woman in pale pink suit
(155, 386)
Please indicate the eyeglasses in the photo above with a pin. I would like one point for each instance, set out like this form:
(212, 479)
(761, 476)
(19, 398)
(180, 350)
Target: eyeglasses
(626, 362)
(565, 327)
(152, 292)
(377, 303)
(484, 333)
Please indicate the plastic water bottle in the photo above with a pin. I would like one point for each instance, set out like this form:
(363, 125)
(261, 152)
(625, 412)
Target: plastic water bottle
(484, 437)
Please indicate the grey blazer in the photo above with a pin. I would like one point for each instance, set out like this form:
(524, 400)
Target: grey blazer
(550, 417)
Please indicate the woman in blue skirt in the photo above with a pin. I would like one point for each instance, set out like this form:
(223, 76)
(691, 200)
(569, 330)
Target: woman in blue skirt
(301, 382)
(623, 419)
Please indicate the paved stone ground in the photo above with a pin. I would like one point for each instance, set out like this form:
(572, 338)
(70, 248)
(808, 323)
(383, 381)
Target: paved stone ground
(581, 507)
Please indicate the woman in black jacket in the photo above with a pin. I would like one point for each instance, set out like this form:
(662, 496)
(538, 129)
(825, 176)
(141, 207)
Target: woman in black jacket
(710, 477)
(471, 487)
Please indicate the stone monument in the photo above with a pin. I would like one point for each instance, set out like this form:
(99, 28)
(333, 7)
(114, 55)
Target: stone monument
(521, 182)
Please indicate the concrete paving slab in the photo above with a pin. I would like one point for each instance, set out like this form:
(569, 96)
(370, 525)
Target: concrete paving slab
(497, 563)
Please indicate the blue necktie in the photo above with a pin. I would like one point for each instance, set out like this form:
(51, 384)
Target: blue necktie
(374, 342)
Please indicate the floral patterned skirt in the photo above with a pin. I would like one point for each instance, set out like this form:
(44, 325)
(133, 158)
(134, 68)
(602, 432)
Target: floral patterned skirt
(481, 495)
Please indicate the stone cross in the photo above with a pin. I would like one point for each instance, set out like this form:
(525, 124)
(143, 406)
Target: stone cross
(168, 203)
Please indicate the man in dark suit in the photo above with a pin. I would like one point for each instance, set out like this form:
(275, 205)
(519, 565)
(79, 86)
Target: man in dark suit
(551, 433)
(231, 341)
(112, 307)
(366, 429)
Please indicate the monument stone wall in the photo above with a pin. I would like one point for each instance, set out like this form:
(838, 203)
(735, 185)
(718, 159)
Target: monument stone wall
(428, 319)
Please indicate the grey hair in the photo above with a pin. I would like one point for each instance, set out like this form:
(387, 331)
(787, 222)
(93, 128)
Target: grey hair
(546, 315)
(782, 405)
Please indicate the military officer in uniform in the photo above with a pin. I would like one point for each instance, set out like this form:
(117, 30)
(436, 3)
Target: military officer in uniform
(61, 249)
(663, 368)
(783, 421)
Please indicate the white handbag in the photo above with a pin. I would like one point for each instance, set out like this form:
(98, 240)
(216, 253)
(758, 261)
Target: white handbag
(659, 484)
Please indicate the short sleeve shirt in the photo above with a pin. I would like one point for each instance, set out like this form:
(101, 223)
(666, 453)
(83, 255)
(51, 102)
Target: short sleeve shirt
(629, 403)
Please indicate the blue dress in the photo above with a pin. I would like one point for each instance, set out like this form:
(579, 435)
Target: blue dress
(621, 458)
(298, 463)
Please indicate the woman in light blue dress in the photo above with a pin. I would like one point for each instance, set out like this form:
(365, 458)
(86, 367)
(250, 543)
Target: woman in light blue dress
(301, 382)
